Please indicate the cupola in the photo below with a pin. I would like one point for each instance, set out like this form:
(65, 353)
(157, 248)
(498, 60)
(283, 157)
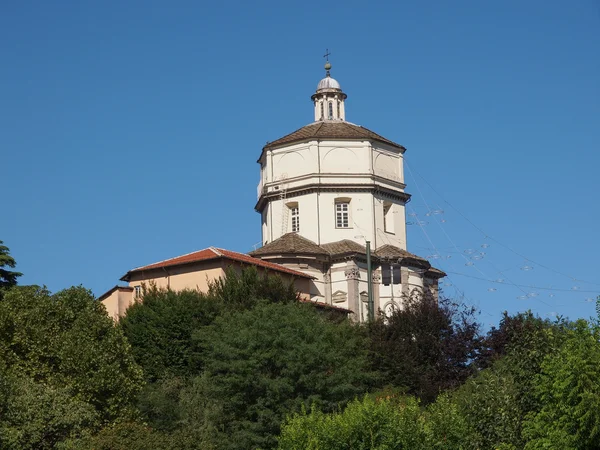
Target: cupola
(329, 98)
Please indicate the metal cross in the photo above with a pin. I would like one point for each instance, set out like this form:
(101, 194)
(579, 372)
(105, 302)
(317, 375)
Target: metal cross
(326, 55)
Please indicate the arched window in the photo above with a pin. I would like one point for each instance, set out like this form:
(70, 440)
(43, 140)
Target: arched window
(330, 110)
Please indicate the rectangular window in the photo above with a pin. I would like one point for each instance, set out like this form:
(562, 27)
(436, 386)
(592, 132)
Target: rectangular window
(138, 291)
(391, 274)
(388, 218)
(342, 215)
(295, 213)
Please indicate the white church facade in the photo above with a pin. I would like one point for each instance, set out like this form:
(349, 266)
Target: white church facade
(325, 191)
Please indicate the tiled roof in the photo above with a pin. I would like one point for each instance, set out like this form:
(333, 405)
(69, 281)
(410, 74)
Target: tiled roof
(344, 247)
(216, 253)
(331, 130)
(390, 251)
(293, 243)
(290, 243)
(436, 272)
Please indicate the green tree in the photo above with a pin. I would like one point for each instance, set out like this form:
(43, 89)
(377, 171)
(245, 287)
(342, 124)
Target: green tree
(568, 388)
(366, 424)
(67, 342)
(426, 347)
(160, 327)
(8, 278)
(266, 362)
(122, 436)
(34, 415)
(497, 401)
(378, 424)
(242, 290)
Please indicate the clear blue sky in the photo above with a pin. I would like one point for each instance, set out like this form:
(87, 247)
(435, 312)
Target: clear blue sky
(130, 131)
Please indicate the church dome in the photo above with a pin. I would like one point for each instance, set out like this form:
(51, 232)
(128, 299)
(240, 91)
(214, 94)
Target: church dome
(328, 83)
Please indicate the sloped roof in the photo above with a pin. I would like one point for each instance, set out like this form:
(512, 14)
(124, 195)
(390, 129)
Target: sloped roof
(293, 243)
(390, 251)
(344, 247)
(290, 243)
(213, 253)
(331, 130)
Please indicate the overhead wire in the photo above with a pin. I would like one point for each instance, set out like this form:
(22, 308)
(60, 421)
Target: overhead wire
(494, 239)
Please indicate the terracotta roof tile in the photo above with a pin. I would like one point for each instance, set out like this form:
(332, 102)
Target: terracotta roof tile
(331, 130)
(344, 247)
(390, 251)
(213, 253)
(290, 243)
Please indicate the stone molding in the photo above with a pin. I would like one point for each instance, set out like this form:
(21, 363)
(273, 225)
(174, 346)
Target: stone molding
(352, 274)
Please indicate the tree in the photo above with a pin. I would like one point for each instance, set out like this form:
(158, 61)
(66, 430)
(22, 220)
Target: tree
(498, 400)
(160, 327)
(34, 415)
(242, 290)
(426, 347)
(568, 388)
(378, 423)
(514, 332)
(122, 436)
(67, 342)
(8, 278)
(264, 363)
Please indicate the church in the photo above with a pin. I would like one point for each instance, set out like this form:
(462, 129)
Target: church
(332, 202)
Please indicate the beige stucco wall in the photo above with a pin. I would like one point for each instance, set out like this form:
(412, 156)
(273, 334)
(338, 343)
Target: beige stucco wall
(190, 276)
(117, 302)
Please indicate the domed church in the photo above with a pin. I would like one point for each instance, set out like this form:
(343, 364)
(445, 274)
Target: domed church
(332, 201)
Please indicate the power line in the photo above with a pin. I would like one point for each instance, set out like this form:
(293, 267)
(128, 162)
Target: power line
(525, 285)
(495, 240)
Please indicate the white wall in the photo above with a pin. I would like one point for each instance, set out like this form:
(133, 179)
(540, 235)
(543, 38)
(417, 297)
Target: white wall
(334, 163)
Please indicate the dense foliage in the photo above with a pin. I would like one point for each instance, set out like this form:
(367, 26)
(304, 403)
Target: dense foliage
(66, 367)
(247, 366)
(381, 423)
(426, 347)
(265, 363)
(160, 328)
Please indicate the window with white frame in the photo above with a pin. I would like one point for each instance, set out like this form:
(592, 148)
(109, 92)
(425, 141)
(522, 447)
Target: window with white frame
(138, 291)
(295, 215)
(388, 217)
(342, 214)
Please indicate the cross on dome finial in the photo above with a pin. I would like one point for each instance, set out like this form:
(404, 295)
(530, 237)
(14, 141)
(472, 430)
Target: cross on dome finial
(327, 63)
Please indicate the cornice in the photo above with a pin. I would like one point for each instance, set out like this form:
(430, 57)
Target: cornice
(320, 187)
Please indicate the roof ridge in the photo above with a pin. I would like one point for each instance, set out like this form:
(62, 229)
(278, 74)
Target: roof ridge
(216, 251)
(169, 259)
